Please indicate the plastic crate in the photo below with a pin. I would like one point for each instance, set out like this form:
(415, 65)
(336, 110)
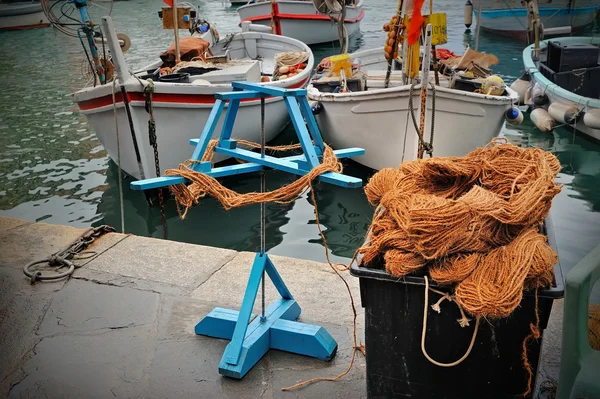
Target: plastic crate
(564, 57)
(584, 82)
(396, 367)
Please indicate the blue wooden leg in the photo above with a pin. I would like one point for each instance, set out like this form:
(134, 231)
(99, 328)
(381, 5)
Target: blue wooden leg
(302, 339)
(219, 323)
(278, 330)
(257, 340)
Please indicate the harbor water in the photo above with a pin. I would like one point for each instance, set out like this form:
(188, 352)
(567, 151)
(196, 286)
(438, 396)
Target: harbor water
(53, 168)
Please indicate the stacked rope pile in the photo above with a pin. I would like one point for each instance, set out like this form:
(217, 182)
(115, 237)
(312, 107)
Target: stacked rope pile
(471, 221)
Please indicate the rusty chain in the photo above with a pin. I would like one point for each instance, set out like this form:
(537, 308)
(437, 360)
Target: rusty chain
(64, 257)
(148, 90)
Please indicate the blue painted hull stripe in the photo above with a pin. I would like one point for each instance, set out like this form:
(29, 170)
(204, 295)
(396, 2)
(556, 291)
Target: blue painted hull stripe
(544, 12)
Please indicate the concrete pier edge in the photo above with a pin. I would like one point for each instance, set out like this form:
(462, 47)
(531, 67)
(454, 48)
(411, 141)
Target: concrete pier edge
(123, 325)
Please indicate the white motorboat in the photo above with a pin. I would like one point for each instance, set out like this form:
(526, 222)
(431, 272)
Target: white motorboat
(567, 86)
(300, 19)
(22, 15)
(379, 119)
(182, 109)
(510, 18)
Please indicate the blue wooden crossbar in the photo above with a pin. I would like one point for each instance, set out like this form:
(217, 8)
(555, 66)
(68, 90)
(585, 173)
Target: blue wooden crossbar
(277, 328)
(269, 90)
(222, 171)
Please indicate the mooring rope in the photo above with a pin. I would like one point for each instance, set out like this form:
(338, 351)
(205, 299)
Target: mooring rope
(120, 174)
(462, 321)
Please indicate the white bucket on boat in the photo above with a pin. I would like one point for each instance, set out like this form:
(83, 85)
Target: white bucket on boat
(542, 120)
(592, 119)
(564, 113)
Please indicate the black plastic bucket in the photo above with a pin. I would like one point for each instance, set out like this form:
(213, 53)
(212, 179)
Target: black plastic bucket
(175, 78)
(396, 366)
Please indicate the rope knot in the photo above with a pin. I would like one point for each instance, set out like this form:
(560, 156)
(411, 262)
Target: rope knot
(436, 306)
(149, 87)
(428, 148)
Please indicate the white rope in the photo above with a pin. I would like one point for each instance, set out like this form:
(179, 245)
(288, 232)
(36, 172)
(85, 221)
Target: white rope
(120, 176)
(463, 323)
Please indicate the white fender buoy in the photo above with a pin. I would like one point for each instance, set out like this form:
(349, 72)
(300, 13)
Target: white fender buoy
(542, 120)
(564, 113)
(520, 86)
(592, 119)
(468, 14)
(539, 97)
(514, 116)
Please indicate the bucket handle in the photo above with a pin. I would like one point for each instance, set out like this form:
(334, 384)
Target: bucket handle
(436, 307)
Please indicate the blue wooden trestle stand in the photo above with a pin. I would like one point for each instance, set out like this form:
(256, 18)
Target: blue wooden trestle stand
(276, 327)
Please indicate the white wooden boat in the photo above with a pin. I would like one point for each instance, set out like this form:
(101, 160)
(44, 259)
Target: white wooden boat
(300, 20)
(509, 18)
(182, 109)
(562, 101)
(22, 15)
(378, 119)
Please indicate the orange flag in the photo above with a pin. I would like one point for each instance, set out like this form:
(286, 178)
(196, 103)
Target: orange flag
(169, 2)
(416, 20)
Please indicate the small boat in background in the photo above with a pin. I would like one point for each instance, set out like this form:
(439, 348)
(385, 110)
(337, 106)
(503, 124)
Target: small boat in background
(510, 18)
(183, 99)
(564, 83)
(299, 19)
(16, 15)
(378, 119)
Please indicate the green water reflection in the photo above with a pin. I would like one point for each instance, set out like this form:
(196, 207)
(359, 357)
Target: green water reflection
(52, 168)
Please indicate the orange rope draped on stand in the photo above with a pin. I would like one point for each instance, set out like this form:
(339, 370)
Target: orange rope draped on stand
(202, 185)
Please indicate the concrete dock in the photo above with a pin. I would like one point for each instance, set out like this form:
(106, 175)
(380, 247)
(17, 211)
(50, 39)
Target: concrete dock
(123, 325)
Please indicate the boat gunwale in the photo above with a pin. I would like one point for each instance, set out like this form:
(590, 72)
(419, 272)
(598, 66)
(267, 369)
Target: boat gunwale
(551, 87)
(511, 96)
(91, 92)
(358, 6)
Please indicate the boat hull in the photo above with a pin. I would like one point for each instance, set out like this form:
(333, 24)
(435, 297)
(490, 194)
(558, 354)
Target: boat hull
(16, 16)
(510, 18)
(559, 95)
(181, 110)
(176, 124)
(380, 123)
(300, 20)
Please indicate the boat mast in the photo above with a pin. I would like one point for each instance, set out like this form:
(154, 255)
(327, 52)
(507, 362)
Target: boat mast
(533, 22)
(88, 29)
(176, 29)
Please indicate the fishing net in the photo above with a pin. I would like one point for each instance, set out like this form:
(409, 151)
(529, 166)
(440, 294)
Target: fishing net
(470, 221)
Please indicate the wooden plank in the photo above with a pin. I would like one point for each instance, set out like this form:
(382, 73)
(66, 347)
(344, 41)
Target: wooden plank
(270, 90)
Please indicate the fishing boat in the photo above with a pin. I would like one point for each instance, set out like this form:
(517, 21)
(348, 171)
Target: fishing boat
(380, 109)
(564, 82)
(511, 18)
(182, 109)
(16, 15)
(301, 20)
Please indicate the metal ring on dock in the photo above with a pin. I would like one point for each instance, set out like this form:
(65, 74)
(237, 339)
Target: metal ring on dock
(38, 276)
